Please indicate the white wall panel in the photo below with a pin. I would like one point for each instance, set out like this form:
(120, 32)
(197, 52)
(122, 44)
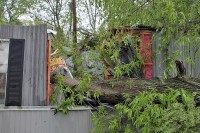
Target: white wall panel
(4, 50)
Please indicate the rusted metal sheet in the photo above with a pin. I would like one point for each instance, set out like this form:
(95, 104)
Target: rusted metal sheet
(34, 72)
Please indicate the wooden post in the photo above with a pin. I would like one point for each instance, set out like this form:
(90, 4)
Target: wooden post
(74, 21)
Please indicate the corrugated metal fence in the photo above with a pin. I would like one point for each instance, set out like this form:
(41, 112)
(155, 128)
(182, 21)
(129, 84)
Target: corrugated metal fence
(188, 53)
(34, 74)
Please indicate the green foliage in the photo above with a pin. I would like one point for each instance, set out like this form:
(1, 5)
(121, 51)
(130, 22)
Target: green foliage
(65, 97)
(130, 83)
(99, 120)
(110, 53)
(57, 89)
(176, 21)
(96, 95)
(128, 69)
(85, 83)
(152, 112)
(11, 10)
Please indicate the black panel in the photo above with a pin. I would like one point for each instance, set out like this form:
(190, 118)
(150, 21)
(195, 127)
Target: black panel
(15, 72)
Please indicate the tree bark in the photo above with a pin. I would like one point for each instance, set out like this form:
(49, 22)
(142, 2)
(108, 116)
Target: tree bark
(74, 21)
(112, 91)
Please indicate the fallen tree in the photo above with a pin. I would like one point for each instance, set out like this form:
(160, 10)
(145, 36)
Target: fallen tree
(112, 90)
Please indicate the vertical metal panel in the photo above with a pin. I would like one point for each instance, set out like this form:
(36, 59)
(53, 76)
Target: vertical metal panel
(43, 120)
(158, 56)
(34, 73)
(195, 51)
(185, 52)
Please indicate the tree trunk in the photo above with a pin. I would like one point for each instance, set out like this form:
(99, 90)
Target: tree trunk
(112, 91)
(74, 21)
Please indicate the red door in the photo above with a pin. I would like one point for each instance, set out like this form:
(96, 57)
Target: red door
(146, 54)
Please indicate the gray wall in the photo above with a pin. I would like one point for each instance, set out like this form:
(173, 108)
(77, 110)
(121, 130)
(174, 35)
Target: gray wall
(185, 53)
(43, 120)
(34, 74)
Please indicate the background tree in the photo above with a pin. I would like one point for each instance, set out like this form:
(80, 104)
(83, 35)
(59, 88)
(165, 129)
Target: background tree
(56, 13)
(91, 11)
(11, 10)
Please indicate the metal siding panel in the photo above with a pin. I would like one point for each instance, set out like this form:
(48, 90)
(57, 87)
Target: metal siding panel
(170, 53)
(12, 123)
(154, 47)
(44, 121)
(1, 115)
(37, 69)
(197, 62)
(18, 124)
(34, 76)
(159, 65)
(16, 32)
(184, 52)
(26, 85)
(189, 65)
(30, 66)
(197, 67)
(192, 55)
(42, 77)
